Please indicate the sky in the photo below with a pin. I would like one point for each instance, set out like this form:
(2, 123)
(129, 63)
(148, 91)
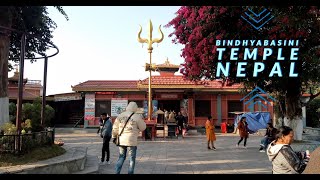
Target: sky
(100, 43)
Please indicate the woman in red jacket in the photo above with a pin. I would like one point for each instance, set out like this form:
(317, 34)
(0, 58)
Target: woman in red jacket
(243, 131)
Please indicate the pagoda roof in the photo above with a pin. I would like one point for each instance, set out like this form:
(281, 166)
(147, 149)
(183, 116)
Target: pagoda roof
(16, 77)
(178, 81)
(162, 81)
(167, 64)
(27, 95)
(174, 82)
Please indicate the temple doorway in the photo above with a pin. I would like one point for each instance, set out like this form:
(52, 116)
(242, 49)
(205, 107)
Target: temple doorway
(170, 105)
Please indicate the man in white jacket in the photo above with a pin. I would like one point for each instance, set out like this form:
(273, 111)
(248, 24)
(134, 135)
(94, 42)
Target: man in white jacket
(129, 136)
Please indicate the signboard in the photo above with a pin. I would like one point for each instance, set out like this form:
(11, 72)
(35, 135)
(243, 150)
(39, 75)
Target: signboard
(169, 96)
(89, 107)
(118, 105)
(106, 92)
(154, 108)
(68, 97)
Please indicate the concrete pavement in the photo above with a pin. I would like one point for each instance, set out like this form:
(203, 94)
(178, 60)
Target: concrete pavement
(187, 155)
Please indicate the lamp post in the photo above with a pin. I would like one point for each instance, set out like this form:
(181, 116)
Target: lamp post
(43, 107)
(20, 90)
(149, 66)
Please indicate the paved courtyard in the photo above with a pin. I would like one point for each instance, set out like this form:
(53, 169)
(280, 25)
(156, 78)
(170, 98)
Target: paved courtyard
(180, 156)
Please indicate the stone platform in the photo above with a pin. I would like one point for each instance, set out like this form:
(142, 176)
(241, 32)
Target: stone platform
(72, 161)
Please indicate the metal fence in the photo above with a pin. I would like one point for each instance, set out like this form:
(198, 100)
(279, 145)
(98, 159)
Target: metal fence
(25, 142)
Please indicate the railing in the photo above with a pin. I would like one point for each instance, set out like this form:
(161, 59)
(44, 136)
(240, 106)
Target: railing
(26, 142)
(79, 121)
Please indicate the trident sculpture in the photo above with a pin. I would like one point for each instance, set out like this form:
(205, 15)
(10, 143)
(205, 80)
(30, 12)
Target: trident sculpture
(150, 67)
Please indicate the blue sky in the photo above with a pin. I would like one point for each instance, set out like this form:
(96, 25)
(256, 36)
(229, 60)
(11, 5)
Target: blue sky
(100, 43)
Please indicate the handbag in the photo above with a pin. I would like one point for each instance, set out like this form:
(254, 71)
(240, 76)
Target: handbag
(101, 135)
(117, 139)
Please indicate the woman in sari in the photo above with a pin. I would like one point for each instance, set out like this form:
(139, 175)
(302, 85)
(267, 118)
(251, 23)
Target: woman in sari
(211, 137)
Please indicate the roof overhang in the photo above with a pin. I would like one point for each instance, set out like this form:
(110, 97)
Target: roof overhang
(95, 89)
(168, 86)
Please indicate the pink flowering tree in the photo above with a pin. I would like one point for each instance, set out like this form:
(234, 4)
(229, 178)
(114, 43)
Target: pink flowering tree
(198, 28)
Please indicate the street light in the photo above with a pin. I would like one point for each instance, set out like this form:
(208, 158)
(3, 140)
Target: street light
(150, 67)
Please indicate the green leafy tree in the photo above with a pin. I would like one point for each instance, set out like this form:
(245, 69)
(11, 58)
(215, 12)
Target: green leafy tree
(33, 112)
(33, 20)
(49, 115)
(198, 28)
(12, 112)
(313, 113)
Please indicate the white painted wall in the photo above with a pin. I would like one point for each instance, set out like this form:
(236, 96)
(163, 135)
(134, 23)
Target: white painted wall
(4, 110)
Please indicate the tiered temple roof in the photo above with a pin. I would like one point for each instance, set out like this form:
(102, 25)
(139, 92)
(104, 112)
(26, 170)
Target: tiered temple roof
(166, 79)
(31, 88)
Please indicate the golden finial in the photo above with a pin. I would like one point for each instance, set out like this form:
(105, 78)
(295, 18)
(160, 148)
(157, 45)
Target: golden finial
(167, 62)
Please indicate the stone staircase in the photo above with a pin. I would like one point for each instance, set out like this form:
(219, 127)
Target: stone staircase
(91, 166)
(314, 131)
(73, 130)
(310, 137)
(312, 134)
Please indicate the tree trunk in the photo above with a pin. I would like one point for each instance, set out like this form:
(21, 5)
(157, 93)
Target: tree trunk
(6, 21)
(293, 117)
(296, 124)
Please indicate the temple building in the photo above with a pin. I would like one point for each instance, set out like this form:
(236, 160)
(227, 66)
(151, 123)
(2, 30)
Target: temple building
(196, 100)
(32, 89)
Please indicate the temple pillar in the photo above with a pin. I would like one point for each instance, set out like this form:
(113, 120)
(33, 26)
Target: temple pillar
(191, 117)
(219, 111)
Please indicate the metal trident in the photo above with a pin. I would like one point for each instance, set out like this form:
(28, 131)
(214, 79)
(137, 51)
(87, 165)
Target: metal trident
(149, 40)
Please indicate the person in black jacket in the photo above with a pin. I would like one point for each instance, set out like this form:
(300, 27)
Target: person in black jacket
(103, 117)
(180, 121)
(105, 133)
(268, 137)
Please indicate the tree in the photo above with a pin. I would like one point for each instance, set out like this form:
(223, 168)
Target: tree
(32, 111)
(33, 20)
(198, 28)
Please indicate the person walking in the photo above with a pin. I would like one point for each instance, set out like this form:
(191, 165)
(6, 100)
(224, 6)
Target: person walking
(180, 121)
(166, 116)
(211, 136)
(243, 131)
(284, 159)
(128, 124)
(105, 134)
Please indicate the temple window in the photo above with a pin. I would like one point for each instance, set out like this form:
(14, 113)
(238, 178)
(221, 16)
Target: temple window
(103, 107)
(202, 108)
(234, 106)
